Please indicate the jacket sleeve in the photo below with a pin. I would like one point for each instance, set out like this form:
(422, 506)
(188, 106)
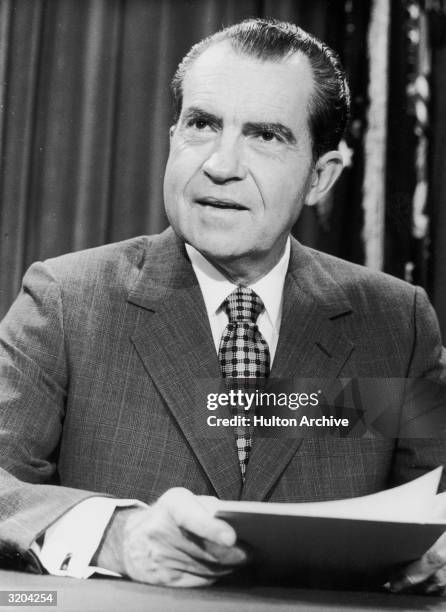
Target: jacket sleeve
(33, 387)
(424, 447)
(428, 355)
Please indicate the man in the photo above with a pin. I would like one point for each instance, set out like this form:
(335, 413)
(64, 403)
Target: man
(105, 351)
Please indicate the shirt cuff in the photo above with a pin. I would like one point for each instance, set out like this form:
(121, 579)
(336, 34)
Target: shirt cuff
(73, 539)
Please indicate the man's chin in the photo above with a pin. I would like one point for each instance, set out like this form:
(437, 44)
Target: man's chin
(214, 245)
(219, 253)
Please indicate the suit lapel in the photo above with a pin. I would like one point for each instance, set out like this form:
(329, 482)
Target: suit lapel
(310, 345)
(175, 344)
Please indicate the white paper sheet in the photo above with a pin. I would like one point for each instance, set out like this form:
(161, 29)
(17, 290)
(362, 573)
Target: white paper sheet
(415, 501)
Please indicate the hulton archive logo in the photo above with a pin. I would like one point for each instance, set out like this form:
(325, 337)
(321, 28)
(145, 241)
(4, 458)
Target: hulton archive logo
(347, 407)
(255, 402)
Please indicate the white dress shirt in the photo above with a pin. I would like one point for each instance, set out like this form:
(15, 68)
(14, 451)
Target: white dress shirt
(215, 288)
(71, 542)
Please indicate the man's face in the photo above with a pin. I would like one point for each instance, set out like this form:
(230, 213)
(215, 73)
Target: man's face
(240, 160)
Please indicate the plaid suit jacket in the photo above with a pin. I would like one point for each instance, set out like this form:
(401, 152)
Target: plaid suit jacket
(105, 351)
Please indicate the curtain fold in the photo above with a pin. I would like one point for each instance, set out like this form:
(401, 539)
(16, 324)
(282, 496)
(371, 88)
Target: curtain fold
(438, 174)
(85, 113)
(19, 58)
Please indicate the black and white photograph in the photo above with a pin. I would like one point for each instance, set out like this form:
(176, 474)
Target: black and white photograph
(223, 305)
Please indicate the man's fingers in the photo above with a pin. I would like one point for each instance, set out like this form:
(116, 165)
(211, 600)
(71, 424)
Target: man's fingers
(178, 542)
(414, 574)
(202, 549)
(162, 575)
(437, 582)
(194, 558)
(166, 541)
(431, 563)
(158, 557)
(188, 513)
(233, 555)
(182, 579)
(175, 561)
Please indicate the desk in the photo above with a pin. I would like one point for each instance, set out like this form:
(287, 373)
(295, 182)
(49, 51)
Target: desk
(110, 595)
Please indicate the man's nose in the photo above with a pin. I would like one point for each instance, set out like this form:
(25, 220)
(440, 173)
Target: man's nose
(225, 164)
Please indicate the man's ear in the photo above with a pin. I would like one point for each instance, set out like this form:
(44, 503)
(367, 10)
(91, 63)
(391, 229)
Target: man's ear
(172, 130)
(325, 174)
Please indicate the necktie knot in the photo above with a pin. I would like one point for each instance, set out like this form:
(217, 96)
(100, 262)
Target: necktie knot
(243, 304)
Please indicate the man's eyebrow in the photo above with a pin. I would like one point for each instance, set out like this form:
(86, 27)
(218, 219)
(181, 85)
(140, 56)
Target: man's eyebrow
(195, 112)
(275, 128)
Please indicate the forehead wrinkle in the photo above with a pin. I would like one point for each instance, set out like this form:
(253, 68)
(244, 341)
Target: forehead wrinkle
(207, 88)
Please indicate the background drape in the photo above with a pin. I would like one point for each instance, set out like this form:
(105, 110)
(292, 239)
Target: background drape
(84, 115)
(437, 162)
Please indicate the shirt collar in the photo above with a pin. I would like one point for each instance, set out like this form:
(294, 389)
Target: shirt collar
(215, 287)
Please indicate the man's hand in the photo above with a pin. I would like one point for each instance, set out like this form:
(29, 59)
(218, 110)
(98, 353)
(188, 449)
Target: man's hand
(428, 574)
(175, 542)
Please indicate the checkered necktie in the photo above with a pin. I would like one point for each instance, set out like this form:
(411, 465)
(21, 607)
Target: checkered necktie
(244, 356)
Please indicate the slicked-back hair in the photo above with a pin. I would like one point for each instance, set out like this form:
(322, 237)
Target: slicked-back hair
(268, 39)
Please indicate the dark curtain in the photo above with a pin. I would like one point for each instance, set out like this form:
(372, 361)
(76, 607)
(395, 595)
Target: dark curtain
(419, 259)
(401, 143)
(85, 110)
(85, 115)
(438, 166)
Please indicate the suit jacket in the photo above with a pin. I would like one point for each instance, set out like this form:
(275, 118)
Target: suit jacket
(104, 354)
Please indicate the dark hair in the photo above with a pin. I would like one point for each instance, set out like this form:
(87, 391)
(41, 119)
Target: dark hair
(268, 39)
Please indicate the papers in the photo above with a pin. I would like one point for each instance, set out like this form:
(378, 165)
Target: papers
(411, 502)
(366, 537)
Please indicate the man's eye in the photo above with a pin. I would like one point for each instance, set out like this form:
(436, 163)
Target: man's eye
(199, 124)
(268, 136)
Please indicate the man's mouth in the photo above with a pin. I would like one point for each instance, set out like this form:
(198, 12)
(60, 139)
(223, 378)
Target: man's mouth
(220, 203)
